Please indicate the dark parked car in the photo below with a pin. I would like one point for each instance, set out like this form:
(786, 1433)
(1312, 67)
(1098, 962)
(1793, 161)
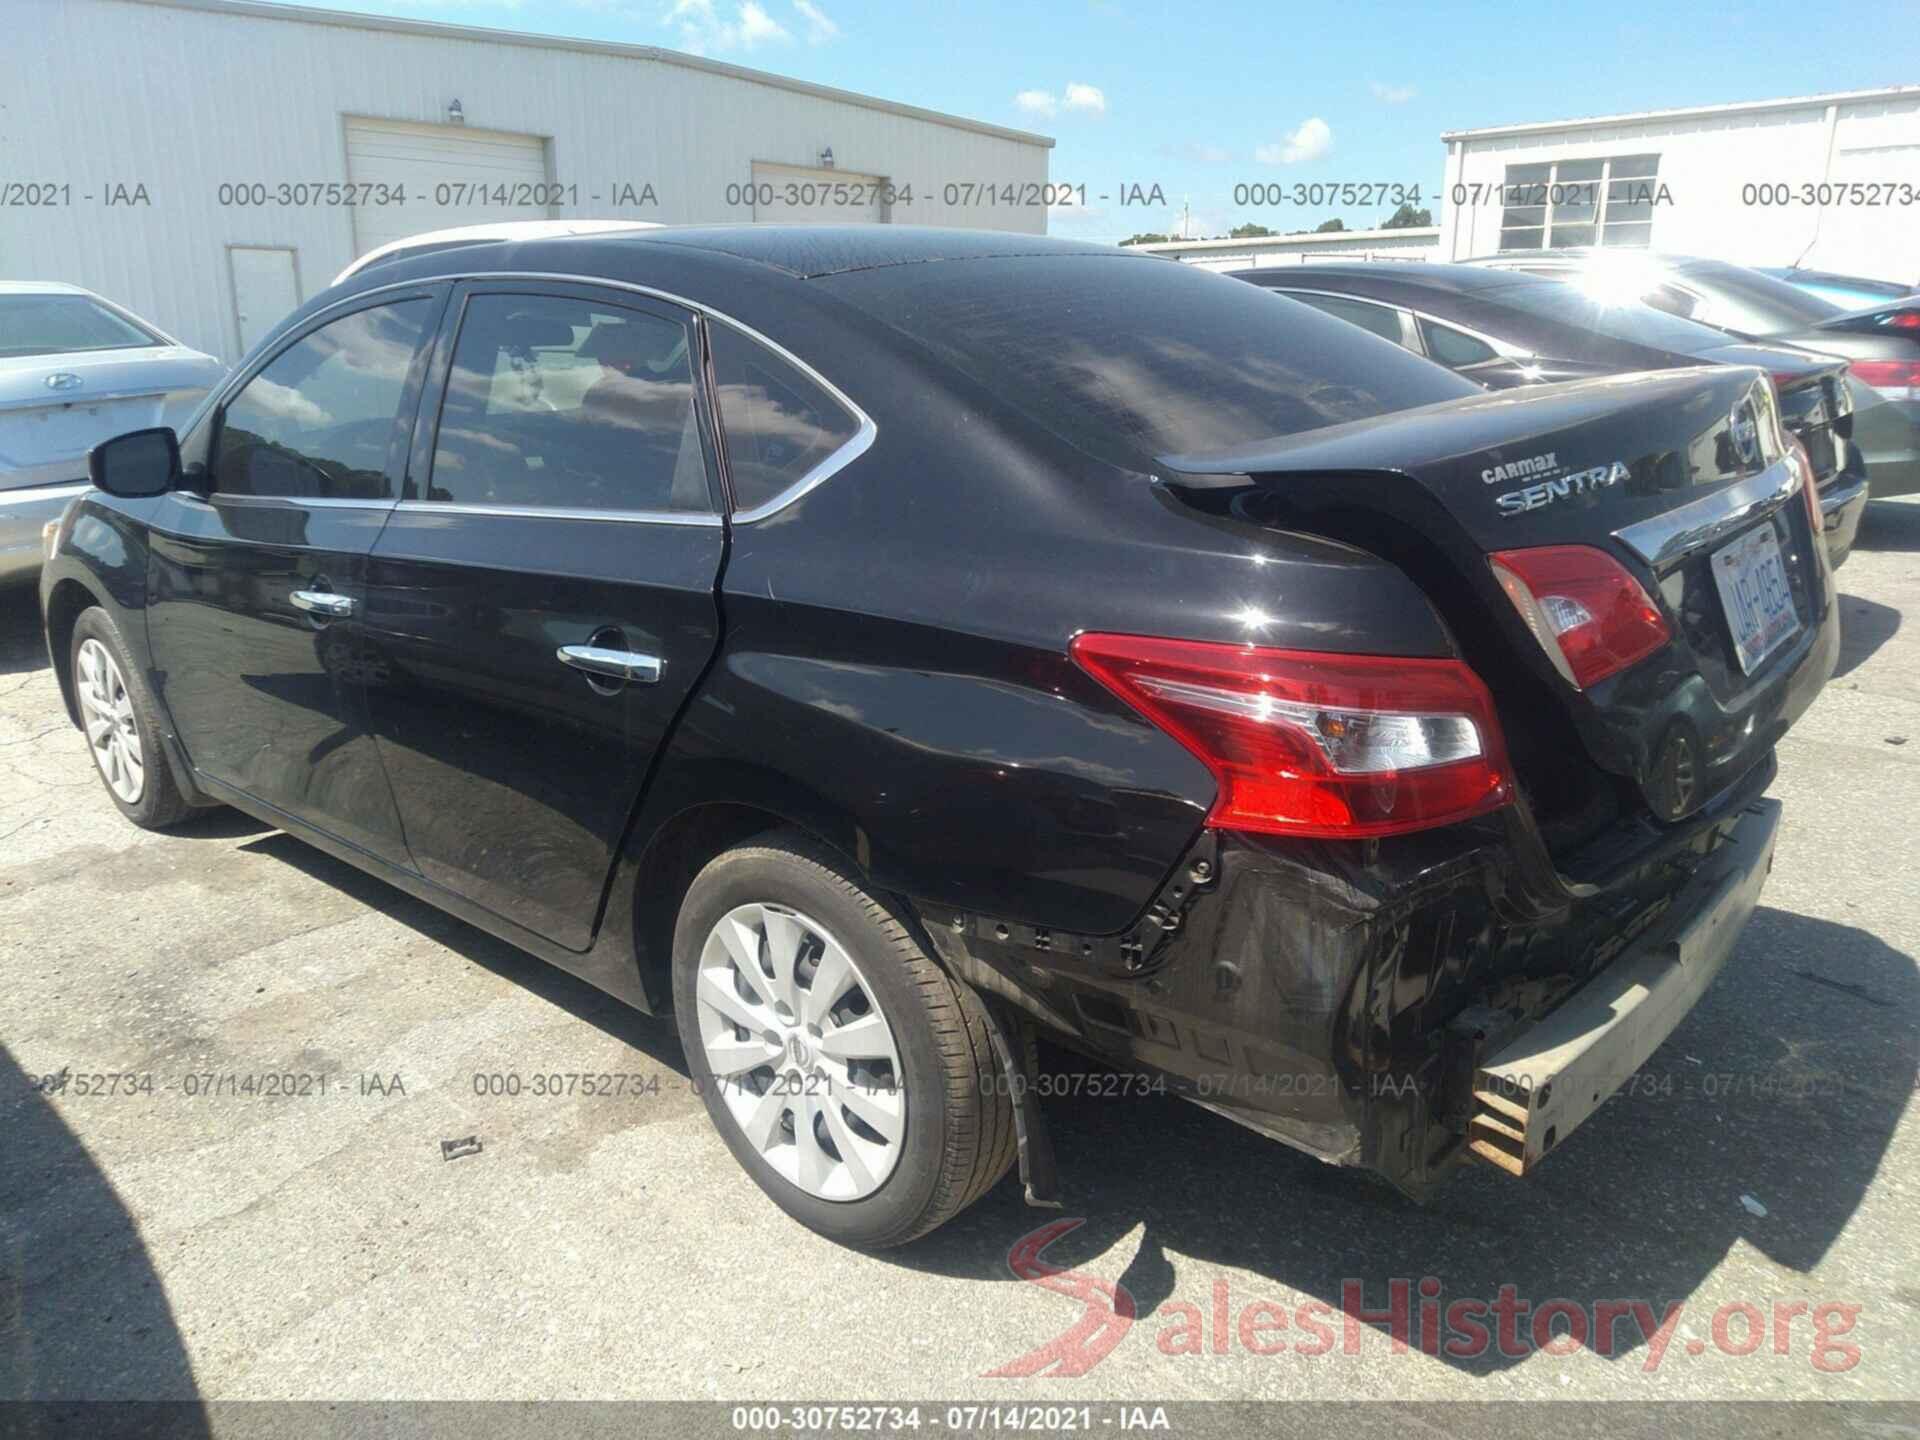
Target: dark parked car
(878, 646)
(1881, 343)
(1501, 329)
(1849, 292)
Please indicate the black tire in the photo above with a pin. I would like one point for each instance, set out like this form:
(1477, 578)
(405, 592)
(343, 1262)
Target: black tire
(160, 803)
(959, 1134)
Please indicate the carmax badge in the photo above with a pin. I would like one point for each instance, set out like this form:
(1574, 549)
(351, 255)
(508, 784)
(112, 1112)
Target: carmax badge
(1536, 497)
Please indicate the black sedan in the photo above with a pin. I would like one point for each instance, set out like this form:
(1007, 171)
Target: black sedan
(878, 646)
(1501, 330)
(1882, 342)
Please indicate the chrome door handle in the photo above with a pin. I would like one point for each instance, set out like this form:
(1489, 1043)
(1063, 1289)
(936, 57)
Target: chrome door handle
(615, 664)
(322, 602)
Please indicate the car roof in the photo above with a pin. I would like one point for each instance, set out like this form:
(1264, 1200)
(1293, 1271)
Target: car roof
(492, 230)
(806, 251)
(41, 287)
(1419, 274)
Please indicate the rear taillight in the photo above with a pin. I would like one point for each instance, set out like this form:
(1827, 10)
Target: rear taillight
(1320, 746)
(1588, 613)
(1902, 320)
(1895, 379)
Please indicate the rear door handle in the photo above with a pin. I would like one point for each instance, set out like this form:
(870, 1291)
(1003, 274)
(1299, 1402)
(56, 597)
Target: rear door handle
(322, 602)
(615, 664)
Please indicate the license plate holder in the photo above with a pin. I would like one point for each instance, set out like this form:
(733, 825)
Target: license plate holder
(1751, 576)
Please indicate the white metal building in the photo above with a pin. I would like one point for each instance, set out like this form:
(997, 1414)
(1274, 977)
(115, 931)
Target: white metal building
(1815, 180)
(193, 159)
(1410, 243)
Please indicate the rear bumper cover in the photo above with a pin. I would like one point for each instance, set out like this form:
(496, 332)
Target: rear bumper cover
(1538, 1087)
(1842, 504)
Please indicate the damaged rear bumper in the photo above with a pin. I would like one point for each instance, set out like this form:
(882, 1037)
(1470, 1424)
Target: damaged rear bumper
(1542, 1084)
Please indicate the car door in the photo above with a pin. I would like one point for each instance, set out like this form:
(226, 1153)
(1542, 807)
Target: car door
(256, 574)
(542, 600)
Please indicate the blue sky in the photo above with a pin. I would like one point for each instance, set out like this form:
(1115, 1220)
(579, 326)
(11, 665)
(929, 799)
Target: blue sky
(1198, 98)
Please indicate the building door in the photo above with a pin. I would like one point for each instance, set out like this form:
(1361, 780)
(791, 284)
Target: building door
(452, 175)
(794, 195)
(266, 289)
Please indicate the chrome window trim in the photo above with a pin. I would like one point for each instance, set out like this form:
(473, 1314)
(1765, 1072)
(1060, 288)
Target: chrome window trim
(829, 466)
(555, 512)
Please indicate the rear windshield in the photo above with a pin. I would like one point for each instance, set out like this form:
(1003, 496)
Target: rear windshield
(1131, 358)
(62, 324)
(1628, 320)
(1757, 304)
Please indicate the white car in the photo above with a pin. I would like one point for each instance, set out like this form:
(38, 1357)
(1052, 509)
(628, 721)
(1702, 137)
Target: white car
(75, 370)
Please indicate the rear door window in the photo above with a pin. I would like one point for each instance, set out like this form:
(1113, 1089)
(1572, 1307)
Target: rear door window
(1454, 348)
(782, 427)
(1380, 319)
(569, 403)
(320, 420)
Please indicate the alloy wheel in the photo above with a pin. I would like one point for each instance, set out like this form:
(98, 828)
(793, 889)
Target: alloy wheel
(113, 733)
(805, 1059)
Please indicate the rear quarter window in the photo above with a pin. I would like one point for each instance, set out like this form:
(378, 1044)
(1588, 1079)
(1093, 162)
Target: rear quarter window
(1130, 358)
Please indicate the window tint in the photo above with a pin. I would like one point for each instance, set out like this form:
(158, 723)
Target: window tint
(1453, 347)
(61, 324)
(571, 404)
(1378, 318)
(1131, 357)
(317, 421)
(778, 423)
(1604, 313)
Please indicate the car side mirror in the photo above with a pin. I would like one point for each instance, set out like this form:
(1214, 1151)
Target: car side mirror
(137, 464)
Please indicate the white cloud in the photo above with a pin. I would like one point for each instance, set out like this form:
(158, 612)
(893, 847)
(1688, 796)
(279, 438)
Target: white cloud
(1312, 140)
(820, 26)
(1089, 98)
(1393, 94)
(1201, 153)
(702, 27)
(1086, 97)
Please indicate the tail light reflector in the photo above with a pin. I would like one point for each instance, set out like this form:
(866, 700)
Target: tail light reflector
(1316, 745)
(1895, 379)
(1587, 611)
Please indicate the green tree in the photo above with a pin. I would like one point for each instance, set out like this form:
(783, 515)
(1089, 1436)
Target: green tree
(1407, 218)
(1248, 231)
(1145, 240)
(1328, 227)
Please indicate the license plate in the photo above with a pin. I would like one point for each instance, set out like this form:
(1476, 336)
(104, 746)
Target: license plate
(1752, 580)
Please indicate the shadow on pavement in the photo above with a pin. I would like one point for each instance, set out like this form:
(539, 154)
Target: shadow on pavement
(1889, 525)
(83, 1315)
(1865, 625)
(1787, 1083)
(653, 1036)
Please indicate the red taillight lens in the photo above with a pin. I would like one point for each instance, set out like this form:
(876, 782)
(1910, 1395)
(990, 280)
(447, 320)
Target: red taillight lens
(1338, 747)
(1895, 379)
(1903, 320)
(1588, 613)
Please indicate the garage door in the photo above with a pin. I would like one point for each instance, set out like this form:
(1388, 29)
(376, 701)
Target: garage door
(793, 195)
(452, 175)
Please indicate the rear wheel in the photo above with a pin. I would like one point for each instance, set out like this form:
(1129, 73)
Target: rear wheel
(850, 1075)
(121, 725)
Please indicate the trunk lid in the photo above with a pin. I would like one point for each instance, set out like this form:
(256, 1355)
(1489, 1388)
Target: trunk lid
(1815, 404)
(54, 408)
(1672, 474)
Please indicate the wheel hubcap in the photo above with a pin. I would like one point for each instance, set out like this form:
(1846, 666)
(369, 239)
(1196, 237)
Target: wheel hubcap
(803, 1056)
(112, 732)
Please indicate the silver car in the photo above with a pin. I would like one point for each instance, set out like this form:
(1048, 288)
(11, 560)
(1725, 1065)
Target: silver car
(75, 370)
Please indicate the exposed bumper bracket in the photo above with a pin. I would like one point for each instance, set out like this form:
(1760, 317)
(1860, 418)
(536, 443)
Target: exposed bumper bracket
(1544, 1083)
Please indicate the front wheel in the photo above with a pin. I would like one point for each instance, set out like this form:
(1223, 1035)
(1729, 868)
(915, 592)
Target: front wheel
(850, 1075)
